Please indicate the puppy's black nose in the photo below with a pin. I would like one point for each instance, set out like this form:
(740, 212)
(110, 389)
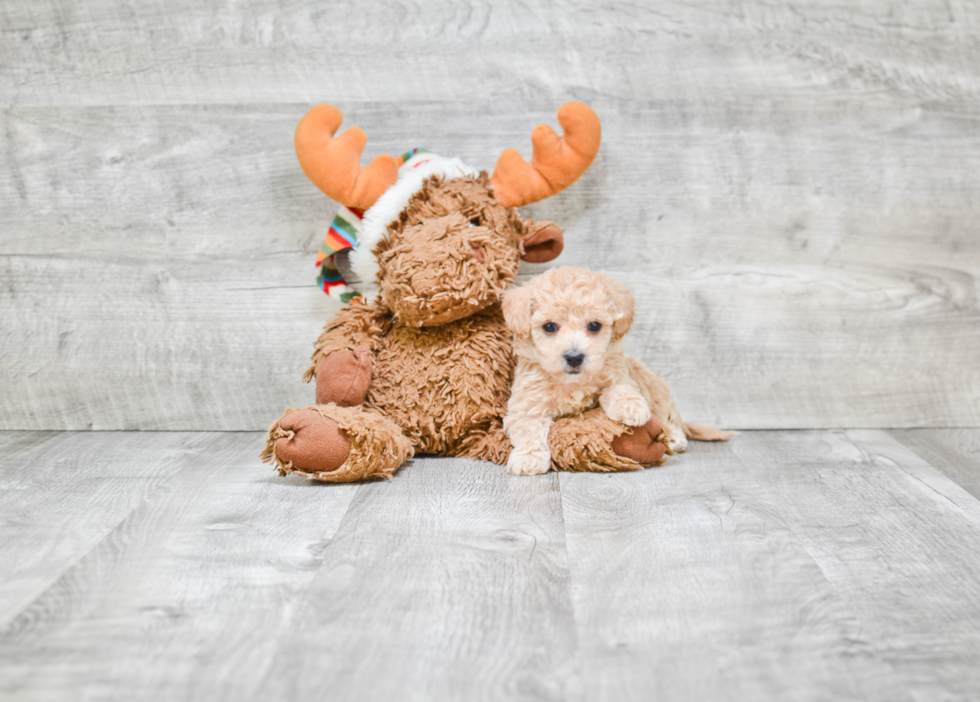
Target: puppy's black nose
(574, 359)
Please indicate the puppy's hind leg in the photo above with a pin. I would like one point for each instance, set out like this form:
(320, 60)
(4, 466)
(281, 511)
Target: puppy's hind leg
(661, 401)
(677, 431)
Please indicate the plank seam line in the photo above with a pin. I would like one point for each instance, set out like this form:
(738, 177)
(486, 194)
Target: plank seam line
(571, 585)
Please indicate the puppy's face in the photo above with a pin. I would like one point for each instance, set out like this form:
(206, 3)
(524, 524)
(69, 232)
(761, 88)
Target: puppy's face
(567, 320)
(571, 341)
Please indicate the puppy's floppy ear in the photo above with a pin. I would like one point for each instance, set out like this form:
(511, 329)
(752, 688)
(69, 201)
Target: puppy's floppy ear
(623, 306)
(543, 241)
(517, 310)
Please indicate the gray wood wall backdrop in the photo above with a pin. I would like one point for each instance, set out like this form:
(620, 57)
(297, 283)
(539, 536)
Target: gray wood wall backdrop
(792, 189)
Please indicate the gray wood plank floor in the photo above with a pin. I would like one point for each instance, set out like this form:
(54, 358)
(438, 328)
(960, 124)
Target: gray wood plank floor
(803, 565)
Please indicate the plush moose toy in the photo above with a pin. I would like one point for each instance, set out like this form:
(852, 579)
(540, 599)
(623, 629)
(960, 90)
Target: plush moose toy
(423, 363)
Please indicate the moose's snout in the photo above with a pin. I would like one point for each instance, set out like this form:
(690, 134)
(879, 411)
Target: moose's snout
(574, 359)
(437, 268)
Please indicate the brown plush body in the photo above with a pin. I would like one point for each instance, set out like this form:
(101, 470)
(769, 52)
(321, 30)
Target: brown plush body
(445, 387)
(440, 391)
(427, 367)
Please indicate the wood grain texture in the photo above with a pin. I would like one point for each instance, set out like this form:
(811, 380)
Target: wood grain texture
(796, 565)
(199, 342)
(450, 582)
(264, 51)
(196, 344)
(789, 188)
(788, 565)
(188, 596)
(956, 452)
(62, 494)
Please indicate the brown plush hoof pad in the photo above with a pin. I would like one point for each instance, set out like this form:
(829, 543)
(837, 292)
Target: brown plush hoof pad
(343, 377)
(318, 445)
(644, 445)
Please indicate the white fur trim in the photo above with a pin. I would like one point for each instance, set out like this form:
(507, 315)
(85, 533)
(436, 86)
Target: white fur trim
(389, 206)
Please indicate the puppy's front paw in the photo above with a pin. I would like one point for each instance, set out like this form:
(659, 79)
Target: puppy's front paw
(631, 410)
(525, 464)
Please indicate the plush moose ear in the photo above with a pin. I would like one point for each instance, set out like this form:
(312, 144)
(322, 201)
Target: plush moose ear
(516, 303)
(543, 243)
(624, 307)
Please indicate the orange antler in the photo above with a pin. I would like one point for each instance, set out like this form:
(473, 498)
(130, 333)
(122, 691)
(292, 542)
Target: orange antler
(557, 162)
(334, 165)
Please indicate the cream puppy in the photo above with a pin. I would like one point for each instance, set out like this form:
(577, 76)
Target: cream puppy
(568, 325)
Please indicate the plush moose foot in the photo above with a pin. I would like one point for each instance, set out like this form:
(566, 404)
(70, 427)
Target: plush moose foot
(592, 441)
(646, 445)
(343, 377)
(311, 442)
(336, 444)
(487, 443)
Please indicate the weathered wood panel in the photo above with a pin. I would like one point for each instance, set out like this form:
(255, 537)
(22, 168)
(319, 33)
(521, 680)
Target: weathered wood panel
(166, 345)
(956, 452)
(449, 583)
(158, 345)
(188, 307)
(677, 185)
(100, 52)
(188, 596)
(785, 565)
(62, 494)
(790, 189)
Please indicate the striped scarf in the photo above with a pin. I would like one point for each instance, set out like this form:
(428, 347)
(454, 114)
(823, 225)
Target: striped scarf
(343, 234)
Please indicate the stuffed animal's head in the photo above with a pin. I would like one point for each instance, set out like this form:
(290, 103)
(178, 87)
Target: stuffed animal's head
(440, 240)
(454, 249)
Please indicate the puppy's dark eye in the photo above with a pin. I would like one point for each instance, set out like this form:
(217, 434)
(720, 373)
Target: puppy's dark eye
(549, 327)
(475, 222)
(594, 327)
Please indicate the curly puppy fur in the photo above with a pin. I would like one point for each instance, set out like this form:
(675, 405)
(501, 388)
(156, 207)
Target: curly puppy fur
(568, 325)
